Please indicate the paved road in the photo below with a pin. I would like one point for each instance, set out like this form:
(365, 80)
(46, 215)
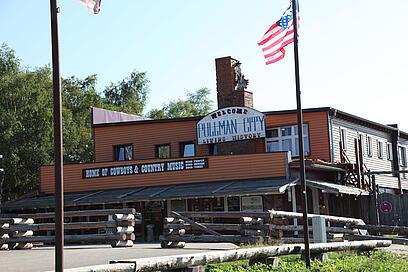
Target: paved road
(42, 259)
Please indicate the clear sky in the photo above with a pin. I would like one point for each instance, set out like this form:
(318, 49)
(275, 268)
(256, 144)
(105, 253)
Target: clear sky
(353, 53)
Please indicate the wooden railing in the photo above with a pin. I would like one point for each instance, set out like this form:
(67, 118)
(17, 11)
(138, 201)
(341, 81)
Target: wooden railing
(22, 231)
(251, 227)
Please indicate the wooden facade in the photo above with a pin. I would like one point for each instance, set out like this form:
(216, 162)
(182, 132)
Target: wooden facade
(220, 168)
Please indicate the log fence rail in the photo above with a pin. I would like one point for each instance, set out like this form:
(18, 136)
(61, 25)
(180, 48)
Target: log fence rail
(18, 232)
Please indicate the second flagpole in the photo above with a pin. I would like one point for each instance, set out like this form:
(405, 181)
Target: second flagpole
(302, 171)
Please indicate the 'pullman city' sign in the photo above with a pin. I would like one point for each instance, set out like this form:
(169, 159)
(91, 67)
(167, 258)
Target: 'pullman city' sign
(145, 168)
(231, 124)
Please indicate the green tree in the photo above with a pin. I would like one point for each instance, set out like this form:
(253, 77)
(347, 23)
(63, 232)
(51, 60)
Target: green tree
(25, 123)
(79, 95)
(196, 104)
(26, 128)
(128, 95)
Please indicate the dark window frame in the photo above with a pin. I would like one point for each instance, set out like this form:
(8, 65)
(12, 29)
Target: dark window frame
(157, 150)
(182, 144)
(116, 154)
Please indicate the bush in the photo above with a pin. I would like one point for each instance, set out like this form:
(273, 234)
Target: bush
(345, 261)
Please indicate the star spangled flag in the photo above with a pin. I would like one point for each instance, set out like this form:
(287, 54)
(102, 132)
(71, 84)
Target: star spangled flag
(279, 35)
(93, 5)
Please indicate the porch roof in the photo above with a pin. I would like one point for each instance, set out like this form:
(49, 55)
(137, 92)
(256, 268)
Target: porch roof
(152, 193)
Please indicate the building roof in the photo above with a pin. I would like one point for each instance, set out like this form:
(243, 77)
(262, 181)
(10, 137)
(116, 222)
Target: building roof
(330, 110)
(165, 192)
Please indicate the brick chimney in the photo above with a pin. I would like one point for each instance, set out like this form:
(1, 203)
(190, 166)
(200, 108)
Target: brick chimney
(228, 94)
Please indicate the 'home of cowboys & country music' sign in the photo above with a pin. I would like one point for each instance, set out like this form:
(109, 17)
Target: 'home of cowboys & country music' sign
(145, 168)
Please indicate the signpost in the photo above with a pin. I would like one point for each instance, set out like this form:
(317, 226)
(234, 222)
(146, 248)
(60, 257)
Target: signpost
(231, 124)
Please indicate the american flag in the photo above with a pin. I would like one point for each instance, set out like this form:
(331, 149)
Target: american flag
(279, 35)
(93, 5)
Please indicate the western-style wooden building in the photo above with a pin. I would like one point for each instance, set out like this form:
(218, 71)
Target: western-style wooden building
(235, 158)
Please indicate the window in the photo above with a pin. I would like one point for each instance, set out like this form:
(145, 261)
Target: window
(369, 146)
(234, 203)
(361, 140)
(389, 151)
(187, 149)
(402, 156)
(380, 149)
(343, 138)
(163, 151)
(123, 152)
(286, 139)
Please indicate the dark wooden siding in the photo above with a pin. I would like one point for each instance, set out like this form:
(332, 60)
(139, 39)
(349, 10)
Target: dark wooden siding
(231, 167)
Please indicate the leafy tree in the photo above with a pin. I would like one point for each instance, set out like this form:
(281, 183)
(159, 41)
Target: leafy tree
(196, 104)
(78, 97)
(26, 116)
(128, 95)
(25, 123)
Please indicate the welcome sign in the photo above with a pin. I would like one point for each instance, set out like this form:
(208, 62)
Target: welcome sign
(231, 124)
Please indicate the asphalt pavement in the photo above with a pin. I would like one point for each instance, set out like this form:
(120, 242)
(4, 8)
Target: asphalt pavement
(42, 258)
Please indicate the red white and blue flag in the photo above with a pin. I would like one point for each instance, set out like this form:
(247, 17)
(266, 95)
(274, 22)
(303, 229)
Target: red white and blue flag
(279, 35)
(92, 5)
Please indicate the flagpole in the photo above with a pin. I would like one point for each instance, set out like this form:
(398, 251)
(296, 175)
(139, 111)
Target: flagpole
(58, 148)
(302, 171)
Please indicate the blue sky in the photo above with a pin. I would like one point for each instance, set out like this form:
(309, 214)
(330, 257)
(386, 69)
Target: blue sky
(353, 54)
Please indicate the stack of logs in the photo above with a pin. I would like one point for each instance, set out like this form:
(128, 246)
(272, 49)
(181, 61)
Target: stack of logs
(173, 227)
(11, 230)
(17, 233)
(124, 229)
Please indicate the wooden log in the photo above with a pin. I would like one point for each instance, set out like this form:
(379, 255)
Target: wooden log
(226, 214)
(81, 213)
(4, 231)
(122, 217)
(251, 220)
(21, 233)
(176, 245)
(126, 230)
(336, 219)
(16, 221)
(212, 238)
(5, 226)
(4, 246)
(195, 224)
(23, 246)
(127, 243)
(272, 227)
(213, 226)
(130, 236)
(384, 229)
(400, 241)
(197, 259)
(174, 231)
(68, 238)
(172, 220)
(70, 226)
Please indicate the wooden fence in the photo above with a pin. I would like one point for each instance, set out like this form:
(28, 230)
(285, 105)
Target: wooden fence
(392, 209)
(252, 227)
(21, 231)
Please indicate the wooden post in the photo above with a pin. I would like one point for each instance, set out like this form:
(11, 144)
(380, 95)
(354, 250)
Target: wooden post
(376, 214)
(341, 152)
(358, 168)
(361, 160)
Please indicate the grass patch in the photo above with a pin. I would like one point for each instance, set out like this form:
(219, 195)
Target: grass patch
(343, 261)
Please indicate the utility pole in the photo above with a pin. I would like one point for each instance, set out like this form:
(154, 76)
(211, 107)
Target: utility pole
(302, 171)
(58, 147)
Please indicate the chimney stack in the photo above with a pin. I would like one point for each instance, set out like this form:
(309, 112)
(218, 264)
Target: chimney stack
(231, 84)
